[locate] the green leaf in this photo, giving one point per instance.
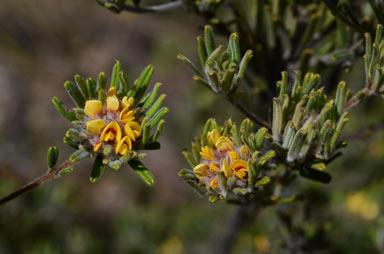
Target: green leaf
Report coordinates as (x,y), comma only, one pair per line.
(115,75)
(53,155)
(152,110)
(71,143)
(81,84)
(71,116)
(151,99)
(157,117)
(191,65)
(101,81)
(203,55)
(159,130)
(75,94)
(315,175)
(277,119)
(144,78)
(234,48)
(142,172)
(97,169)
(152,146)
(79,155)
(209,39)
(263,181)
(91,88)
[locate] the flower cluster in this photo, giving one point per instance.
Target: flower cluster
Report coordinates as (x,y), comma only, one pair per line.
(227,162)
(113,124)
(221,155)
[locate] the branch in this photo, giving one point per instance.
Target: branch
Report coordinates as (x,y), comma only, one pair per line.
(242,215)
(255,119)
(50,175)
(364,132)
(154,8)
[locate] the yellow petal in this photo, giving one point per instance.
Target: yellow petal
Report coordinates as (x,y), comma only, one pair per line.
(214,168)
(111,91)
(112,103)
(207,153)
(238,164)
(128,131)
(134,126)
(97,147)
(213,136)
(121,147)
(114,129)
(109,136)
(242,174)
(232,155)
(224,143)
(214,183)
(226,169)
(128,102)
(201,170)
(95,126)
(126,116)
(92,107)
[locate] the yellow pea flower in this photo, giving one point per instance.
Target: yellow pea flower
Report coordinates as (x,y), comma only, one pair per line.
(123,146)
(111,132)
(224,143)
(92,108)
(132,130)
(214,183)
(200,170)
(207,153)
(95,126)
(226,169)
(128,102)
(213,136)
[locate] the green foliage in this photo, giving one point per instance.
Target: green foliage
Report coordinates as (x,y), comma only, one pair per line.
(222,70)
(305,135)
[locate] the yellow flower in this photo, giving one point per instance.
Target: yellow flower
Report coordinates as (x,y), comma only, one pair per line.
(240,168)
(112,132)
(207,153)
(132,130)
(126,116)
(213,136)
(200,170)
(213,168)
(214,183)
(232,155)
(92,108)
(123,146)
(95,126)
(128,102)
(226,169)
(224,143)
(112,103)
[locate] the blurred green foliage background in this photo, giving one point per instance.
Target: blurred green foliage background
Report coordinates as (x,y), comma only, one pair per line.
(44,43)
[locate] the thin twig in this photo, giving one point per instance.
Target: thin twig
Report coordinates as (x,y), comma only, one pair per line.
(253,118)
(154,8)
(364,132)
(238,220)
(42,179)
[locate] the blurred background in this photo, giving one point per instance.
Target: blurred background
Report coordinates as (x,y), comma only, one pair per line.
(43,43)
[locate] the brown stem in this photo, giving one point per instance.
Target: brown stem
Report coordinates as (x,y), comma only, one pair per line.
(42,179)
(154,8)
(242,215)
(364,132)
(253,118)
